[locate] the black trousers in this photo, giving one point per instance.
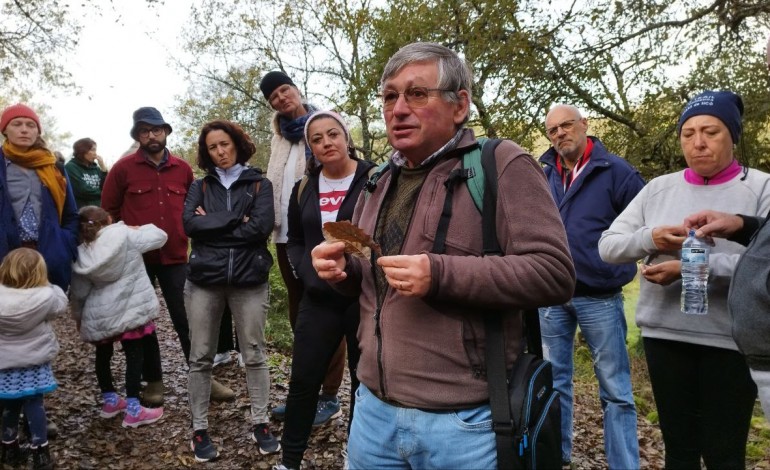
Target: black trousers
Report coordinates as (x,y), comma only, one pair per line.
(322,322)
(142,355)
(705,397)
(171,279)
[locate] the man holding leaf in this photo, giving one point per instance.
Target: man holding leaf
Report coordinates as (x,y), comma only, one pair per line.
(423,401)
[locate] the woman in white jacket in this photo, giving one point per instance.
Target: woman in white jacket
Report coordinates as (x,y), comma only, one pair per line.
(113,300)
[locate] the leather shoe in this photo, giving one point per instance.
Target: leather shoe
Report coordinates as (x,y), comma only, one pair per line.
(153,394)
(220,392)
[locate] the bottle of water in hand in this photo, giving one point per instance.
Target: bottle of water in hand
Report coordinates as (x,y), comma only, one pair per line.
(695,274)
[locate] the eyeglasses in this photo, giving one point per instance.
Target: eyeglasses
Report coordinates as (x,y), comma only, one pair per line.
(566,126)
(156,131)
(416,96)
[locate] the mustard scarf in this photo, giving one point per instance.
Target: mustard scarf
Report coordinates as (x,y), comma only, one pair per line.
(44,164)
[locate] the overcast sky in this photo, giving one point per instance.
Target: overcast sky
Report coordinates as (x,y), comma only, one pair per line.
(121,63)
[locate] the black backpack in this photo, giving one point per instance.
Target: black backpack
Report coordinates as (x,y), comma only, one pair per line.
(526,413)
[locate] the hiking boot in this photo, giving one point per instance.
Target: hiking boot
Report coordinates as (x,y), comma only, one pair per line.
(327,410)
(265,440)
(279,412)
(152,395)
(41,458)
(222,358)
(12,454)
(145,416)
(220,392)
(202,446)
(110,411)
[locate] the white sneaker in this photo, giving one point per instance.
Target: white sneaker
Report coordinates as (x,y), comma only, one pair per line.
(222,358)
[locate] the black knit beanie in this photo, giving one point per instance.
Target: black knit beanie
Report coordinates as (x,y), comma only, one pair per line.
(273,80)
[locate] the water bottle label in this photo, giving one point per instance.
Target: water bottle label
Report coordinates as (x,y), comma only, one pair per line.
(695,255)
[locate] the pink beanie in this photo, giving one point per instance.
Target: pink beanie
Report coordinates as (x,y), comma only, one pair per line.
(16,111)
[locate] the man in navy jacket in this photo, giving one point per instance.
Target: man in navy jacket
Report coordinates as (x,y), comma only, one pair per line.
(591,187)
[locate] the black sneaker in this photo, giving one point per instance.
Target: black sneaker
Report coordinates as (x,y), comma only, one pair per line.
(265,440)
(202,446)
(13,455)
(41,458)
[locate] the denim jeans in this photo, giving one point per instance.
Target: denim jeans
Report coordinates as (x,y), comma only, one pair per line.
(389,437)
(603,324)
(205,306)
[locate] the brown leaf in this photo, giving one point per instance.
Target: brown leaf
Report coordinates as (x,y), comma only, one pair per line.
(357,242)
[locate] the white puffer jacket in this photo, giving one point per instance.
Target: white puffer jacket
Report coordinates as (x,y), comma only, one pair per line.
(111,292)
(26,336)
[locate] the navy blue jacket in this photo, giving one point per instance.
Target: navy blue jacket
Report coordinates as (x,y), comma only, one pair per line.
(592,202)
(56,241)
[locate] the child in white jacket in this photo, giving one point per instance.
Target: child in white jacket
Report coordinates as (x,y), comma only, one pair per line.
(112,299)
(27,346)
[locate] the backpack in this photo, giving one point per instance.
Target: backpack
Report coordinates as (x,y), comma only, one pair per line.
(526,411)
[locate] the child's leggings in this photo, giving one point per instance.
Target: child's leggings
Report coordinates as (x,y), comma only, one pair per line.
(134,350)
(35,413)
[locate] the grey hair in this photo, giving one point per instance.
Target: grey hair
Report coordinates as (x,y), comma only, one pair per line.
(453,73)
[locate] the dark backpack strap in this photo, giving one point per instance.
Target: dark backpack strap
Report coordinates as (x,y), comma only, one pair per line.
(455,176)
(495,343)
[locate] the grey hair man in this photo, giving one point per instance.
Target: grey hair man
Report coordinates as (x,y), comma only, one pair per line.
(423,398)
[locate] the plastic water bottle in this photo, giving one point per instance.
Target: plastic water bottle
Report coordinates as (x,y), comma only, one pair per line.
(695,274)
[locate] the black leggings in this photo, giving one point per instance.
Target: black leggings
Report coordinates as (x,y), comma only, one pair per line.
(139,352)
(705,398)
(321,326)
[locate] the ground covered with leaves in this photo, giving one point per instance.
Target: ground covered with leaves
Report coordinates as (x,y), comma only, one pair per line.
(87,441)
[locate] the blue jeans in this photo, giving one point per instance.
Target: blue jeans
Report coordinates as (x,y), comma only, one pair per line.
(384,436)
(603,324)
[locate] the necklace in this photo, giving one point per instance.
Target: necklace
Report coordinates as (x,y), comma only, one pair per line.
(335,184)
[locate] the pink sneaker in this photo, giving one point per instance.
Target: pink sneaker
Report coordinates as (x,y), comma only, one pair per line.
(108,411)
(145,416)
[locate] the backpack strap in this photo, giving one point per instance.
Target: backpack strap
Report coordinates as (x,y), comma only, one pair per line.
(375,173)
(472,173)
(472,161)
(302,184)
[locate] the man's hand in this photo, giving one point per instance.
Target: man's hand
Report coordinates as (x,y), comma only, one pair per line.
(713,224)
(669,237)
(408,274)
(664,273)
(329,261)
(200,211)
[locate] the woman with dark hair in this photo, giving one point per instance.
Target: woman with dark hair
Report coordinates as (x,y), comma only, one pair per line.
(87,172)
(228,215)
(290,159)
(326,317)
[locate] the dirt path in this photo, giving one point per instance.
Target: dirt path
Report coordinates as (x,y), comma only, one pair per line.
(89,442)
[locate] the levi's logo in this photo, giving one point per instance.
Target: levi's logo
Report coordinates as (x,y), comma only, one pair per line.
(331,201)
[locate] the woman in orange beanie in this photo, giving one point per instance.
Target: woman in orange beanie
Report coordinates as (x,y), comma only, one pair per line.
(37,207)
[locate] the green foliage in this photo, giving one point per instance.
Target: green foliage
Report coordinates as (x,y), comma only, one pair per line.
(652,417)
(278,330)
(630,66)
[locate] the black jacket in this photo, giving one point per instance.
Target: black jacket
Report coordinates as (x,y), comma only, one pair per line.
(225,249)
(305,226)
